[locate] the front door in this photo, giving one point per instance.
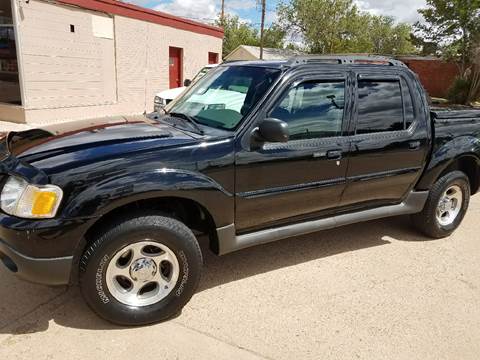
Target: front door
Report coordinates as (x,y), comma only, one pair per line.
(305,177)
(175,67)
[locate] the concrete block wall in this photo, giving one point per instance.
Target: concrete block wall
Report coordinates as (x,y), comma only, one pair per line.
(437,76)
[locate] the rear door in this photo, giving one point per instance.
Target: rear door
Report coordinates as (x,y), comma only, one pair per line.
(284,182)
(175,67)
(389,140)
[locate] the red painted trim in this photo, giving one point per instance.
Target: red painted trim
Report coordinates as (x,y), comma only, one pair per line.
(136,12)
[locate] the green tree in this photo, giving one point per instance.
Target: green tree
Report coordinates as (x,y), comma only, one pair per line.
(454,25)
(325,25)
(427,48)
(238,33)
(336,26)
(387,37)
(274,37)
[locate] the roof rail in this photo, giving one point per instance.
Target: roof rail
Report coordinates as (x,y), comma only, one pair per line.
(345,60)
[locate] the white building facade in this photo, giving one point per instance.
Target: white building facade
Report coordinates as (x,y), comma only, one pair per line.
(66,60)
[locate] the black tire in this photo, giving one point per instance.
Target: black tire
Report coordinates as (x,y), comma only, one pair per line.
(164,230)
(427,222)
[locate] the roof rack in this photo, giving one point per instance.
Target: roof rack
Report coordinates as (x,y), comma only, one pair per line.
(345,60)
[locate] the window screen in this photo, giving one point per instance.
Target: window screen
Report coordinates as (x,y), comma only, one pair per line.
(313,109)
(380,107)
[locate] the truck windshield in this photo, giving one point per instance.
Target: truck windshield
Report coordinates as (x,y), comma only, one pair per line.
(225,95)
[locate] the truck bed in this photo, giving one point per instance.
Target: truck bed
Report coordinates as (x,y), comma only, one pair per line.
(451,114)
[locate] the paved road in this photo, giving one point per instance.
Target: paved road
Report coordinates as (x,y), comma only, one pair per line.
(370,291)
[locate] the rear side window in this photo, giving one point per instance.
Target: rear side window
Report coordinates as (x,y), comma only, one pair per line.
(380,107)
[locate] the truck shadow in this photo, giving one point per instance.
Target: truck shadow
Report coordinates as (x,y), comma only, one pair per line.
(65,306)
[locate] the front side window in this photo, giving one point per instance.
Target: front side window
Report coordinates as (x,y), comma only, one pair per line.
(380,107)
(9,80)
(313,109)
(224,96)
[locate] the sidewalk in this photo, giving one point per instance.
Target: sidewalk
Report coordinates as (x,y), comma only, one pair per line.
(6,126)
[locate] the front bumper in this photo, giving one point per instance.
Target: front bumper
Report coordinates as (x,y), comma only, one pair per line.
(42,251)
(48,271)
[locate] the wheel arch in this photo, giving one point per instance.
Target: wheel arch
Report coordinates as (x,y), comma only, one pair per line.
(468,163)
(192,213)
(470,166)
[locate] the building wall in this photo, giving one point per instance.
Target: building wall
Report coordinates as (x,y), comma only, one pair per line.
(60,68)
(12,113)
(69,76)
(435,75)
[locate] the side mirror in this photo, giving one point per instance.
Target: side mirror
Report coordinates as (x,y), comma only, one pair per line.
(272,130)
(187,82)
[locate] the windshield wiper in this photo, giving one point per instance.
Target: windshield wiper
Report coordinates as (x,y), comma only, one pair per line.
(190,119)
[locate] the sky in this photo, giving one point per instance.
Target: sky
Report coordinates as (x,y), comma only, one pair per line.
(249,11)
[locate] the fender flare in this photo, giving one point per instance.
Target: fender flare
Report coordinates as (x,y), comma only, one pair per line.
(101,198)
(446,155)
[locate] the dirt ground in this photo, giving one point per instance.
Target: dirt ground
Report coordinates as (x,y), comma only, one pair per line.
(376,290)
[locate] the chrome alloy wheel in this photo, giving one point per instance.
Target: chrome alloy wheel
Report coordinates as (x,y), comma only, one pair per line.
(142,274)
(449,206)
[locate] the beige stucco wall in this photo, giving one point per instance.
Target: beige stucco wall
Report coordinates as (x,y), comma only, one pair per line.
(69,76)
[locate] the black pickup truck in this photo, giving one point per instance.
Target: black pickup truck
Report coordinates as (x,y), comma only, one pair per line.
(252,153)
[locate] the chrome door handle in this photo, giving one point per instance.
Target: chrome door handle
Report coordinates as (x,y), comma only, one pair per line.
(334,154)
(414,145)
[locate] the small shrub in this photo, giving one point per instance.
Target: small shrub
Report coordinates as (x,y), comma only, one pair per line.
(458,92)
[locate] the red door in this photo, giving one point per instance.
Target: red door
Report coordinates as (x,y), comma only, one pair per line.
(212,58)
(175,66)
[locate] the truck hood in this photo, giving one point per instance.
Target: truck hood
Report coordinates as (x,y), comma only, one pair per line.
(60,139)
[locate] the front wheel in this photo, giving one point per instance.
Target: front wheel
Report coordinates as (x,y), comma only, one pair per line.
(446,206)
(141,270)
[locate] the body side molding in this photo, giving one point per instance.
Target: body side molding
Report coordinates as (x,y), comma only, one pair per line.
(230,242)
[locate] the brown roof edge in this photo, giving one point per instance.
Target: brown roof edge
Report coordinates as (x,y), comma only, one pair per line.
(136,12)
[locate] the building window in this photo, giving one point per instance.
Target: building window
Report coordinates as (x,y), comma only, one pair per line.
(212,58)
(9,80)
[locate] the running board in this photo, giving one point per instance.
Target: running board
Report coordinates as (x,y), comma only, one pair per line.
(228,241)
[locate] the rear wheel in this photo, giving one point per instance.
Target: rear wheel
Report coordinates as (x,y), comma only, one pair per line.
(141,270)
(446,206)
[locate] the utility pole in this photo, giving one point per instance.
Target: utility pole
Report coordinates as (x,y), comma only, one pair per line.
(262,28)
(222,16)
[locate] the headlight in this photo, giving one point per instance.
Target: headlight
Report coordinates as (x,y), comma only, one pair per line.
(24,200)
(159,101)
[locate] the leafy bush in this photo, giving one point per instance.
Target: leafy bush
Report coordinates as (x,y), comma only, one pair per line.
(458,92)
